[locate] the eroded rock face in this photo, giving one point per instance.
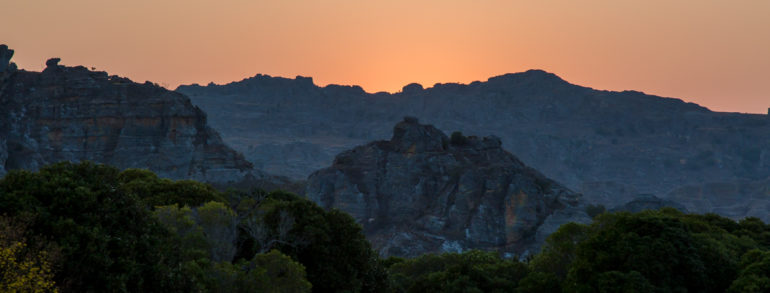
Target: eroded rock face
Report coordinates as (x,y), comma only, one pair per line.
(608,146)
(734,199)
(73,114)
(421,192)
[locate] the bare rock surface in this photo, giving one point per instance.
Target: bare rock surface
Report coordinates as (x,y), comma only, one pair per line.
(609,146)
(423,192)
(73,114)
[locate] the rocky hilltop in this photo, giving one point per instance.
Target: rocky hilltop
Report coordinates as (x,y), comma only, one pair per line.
(74,114)
(423,192)
(609,146)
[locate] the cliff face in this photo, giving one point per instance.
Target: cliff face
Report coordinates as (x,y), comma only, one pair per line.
(422,192)
(71,113)
(609,146)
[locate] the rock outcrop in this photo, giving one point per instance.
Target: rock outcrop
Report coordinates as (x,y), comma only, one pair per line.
(648,202)
(423,192)
(608,146)
(74,114)
(734,199)
(6,66)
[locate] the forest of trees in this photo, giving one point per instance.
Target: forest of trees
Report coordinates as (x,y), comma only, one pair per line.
(84,227)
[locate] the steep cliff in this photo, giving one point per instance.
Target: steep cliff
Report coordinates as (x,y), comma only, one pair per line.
(423,192)
(73,114)
(609,146)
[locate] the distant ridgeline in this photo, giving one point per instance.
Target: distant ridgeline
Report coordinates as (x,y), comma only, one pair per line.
(609,146)
(74,114)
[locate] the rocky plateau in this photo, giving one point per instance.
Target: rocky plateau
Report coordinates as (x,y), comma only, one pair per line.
(74,114)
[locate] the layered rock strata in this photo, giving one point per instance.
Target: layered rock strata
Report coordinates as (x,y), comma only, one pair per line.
(423,192)
(74,114)
(608,146)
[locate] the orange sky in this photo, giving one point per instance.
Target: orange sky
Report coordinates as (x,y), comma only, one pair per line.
(715,53)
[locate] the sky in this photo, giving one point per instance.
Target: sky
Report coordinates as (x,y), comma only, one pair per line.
(714,53)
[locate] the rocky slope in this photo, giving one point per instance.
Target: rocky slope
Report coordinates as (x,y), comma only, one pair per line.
(72,113)
(609,146)
(735,199)
(422,192)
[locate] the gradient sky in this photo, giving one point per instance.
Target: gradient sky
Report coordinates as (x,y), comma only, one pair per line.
(714,53)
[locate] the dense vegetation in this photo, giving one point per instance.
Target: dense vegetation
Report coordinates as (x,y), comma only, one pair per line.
(92,228)
(133,232)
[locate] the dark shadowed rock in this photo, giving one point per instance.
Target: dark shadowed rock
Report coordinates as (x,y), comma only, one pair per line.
(609,146)
(648,202)
(410,136)
(412,88)
(735,199)
(416,193)
(73,114)
(53,62)
(5,57)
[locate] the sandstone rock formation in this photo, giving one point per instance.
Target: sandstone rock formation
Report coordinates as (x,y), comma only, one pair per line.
(609,146)
(422,192)
(73,114)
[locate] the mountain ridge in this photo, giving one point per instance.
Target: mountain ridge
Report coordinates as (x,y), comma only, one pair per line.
(611,146)
(73,114)
(529,74)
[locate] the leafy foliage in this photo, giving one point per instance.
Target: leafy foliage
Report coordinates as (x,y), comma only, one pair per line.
(330,245)
(281,273)
(219,227)
(155,191)
(472,271)
(652,250)
(108,239)
(91,228)
(23,268)
(754,275)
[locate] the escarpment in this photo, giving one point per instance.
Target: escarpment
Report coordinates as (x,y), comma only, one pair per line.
(74,114)
(609,146)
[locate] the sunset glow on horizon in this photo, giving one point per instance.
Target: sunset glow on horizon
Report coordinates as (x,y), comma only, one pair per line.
(714,53)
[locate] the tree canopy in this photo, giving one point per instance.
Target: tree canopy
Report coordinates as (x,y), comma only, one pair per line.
(84,227)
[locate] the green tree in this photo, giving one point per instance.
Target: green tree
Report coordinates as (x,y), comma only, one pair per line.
(282,274)
(537,281)
(559,251)
(155,191)
(23,268)
(265,272)
(754,275)
(181,222)
(471,271)
(108,239)
(330,245)
(219,224)
(651,249)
